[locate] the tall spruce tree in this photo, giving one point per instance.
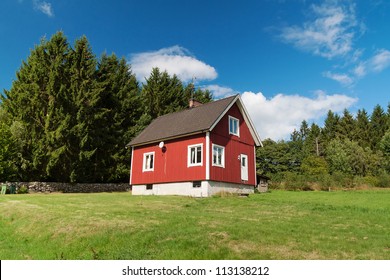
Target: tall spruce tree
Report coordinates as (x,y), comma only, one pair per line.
(329,130)
(121,97)
(346,126)
(33,104)
(90,116)
(378,126)
(362,134)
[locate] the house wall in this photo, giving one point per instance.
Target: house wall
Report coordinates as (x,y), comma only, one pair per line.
(170,164)
(208,188)
(234,147)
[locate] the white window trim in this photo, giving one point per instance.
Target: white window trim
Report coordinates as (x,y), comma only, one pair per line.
(223,156)
(189,164)
(238,126)
(144,161)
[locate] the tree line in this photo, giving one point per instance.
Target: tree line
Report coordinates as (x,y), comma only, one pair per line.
(346,151)
(69,114)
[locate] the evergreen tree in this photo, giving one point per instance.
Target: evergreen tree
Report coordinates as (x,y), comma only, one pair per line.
(385,148)
(121,99)
(378,126)
(304,130)
(346,126)
(33,103)
(8,150)
(89,115)
(163,94)
(329,130)
(362,134)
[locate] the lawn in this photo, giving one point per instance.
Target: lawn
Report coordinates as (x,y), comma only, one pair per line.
(275,225)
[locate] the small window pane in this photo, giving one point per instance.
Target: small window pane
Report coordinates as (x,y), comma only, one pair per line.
(199,155)
(233,126)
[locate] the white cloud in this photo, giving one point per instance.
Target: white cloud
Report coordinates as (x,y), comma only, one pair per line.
(360,70)
(276,118)
(219,91)
(343,79)
(44,7)
(329,34)
(379,61)
(175,60)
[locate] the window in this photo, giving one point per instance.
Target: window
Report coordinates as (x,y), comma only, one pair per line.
(196,184)
(149,187)
(234,127)
(148,164)
(218,156)
(195,155)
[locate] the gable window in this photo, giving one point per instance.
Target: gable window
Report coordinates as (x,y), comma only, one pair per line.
(195,155)
(148,164)
(218,156)
(234,127)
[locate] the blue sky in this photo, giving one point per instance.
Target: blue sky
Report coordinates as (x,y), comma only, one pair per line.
(289,60)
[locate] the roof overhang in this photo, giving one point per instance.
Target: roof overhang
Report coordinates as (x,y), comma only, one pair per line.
(167,138)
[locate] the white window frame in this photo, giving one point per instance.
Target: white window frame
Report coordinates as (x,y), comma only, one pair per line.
(222,156)
(148,168)
(237,133)
(190,147)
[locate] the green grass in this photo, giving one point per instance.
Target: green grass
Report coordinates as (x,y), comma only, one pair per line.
(276,225)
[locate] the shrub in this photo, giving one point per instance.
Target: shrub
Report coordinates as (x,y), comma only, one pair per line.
(368,181)
(23,189)
(296,182)
(383,180)
(342,180)
(314,165)
(325,182)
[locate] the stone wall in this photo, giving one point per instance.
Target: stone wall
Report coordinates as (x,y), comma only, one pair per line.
(48,187)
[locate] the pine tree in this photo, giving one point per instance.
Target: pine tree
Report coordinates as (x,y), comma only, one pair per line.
(90,118)
(33,104)
(378,126)
(362,134)
(121,98)
(346,126)
(329,130)
(8,149)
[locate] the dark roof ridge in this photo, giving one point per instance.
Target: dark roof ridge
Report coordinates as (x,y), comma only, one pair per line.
(204,104)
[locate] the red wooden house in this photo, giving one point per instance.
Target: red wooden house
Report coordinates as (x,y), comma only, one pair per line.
(199,151)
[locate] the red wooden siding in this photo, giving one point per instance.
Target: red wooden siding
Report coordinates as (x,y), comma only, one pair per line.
(234,146)
(171,165)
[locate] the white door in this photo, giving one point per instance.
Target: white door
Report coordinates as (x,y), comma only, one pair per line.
(244,167)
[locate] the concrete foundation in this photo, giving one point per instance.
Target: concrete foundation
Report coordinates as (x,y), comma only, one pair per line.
(195,189)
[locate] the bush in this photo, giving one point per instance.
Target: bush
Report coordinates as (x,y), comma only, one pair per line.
(368,181)
(325,182)
(383,180)
(342,180)
(23,189)
(296,182)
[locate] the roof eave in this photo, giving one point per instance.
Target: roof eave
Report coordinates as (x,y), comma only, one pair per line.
(166,138)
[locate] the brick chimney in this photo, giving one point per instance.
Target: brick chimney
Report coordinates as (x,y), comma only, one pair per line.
(193,103)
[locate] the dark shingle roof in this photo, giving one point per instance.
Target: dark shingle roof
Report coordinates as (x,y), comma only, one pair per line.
(182,123)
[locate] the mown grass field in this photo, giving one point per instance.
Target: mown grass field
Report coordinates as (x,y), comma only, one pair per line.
(276,225)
